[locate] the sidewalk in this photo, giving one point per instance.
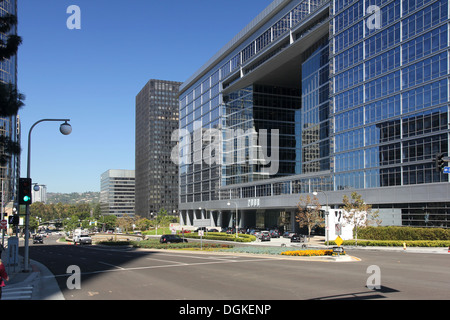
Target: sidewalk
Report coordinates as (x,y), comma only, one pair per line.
(37,284)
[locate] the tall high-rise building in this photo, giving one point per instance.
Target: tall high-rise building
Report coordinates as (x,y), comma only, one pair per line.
(9,126)
(156,174)
(322,96)
(117,193)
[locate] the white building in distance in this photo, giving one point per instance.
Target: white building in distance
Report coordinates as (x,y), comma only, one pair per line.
(117,190)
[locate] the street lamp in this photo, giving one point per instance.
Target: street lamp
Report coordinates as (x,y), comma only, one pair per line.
(65,129)
(326,215)
(229,204)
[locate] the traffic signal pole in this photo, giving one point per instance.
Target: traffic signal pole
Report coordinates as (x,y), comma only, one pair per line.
(65,129)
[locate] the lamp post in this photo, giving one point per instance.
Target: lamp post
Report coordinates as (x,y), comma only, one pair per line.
(229,204)
(65,129)
(326,215)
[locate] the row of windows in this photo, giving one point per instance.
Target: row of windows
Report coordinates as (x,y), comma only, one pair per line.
(410,26)
(417,48)
(383,63)
(413,125)
(424,45)
(414,174)
(349,78)
(425,96)
(424,19)
(420,98)
(425,70)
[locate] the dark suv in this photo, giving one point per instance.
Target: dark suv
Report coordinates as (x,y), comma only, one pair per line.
(171,238)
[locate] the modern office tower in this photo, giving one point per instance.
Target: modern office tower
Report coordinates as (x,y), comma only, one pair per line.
(156,174)
(321,96)
(40,195)
(9,126)
(117,192)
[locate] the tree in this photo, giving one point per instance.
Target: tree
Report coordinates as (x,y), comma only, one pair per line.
(143,223)
(358,213)
(163,219)
(125,223)
(10,99)
(309,214)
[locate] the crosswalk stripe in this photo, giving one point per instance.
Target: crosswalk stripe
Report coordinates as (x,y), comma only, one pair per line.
(17,293)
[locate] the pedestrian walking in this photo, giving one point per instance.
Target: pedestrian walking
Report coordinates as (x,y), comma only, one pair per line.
(3,276)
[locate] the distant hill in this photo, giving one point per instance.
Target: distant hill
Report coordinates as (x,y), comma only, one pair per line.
(74,197)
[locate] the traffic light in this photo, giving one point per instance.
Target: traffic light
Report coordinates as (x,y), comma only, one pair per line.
(440,163)
(24,191)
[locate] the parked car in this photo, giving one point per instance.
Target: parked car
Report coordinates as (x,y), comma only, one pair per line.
(298,238)
(38,239)
(171,238)
(213,230)
(274,233)
(265,236)
(288,234)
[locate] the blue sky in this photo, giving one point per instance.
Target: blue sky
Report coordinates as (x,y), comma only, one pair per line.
(93,75)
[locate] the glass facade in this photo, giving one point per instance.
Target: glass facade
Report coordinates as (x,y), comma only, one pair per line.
(359,91)
(390,93)
(156,175)
(248,113)
(9,126)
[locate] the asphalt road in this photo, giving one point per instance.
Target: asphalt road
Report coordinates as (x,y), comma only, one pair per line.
(113,274)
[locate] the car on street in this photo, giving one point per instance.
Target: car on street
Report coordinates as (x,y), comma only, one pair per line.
(274,233)
(171,238)
(84,239)
(298,238)
(265,236)
(288,234)
(38,239)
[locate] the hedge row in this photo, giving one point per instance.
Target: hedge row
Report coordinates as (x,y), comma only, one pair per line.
(154,244)
(396,243)
(404,233)
(222,236)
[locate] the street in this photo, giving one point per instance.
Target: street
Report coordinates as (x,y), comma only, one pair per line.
(130,274)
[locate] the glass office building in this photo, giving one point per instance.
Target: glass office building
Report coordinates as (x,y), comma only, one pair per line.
(9,126)
(355,93)
(156,175)
(117,188)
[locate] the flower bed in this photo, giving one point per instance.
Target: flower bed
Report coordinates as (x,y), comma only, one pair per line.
(310,253)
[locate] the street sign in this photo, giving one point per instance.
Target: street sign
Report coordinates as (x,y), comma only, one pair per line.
(202,223)
(339,241)
(446,169)
(3,224)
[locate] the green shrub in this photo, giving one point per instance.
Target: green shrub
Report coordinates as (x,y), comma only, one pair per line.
(404,233)
(397,243)
(155,244)
(222,236)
